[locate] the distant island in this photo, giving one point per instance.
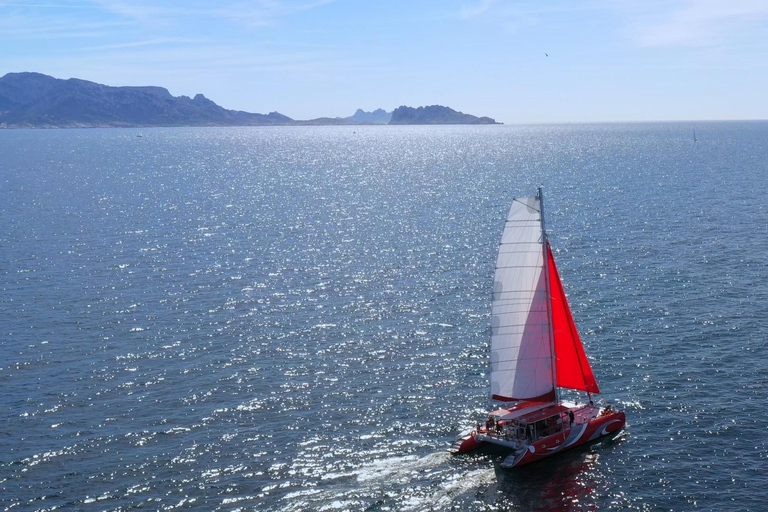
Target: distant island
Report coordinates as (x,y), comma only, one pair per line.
(34,100)
(435,114)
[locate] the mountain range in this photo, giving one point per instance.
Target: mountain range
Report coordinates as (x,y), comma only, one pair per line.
(34,100)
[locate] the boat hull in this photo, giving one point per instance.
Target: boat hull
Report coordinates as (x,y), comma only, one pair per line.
(466,444)
(578,435)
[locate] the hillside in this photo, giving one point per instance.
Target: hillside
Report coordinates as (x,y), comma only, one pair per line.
(378,116)
(435,114)
(34,100)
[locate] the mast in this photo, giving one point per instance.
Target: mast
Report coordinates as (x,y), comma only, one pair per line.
(549,297)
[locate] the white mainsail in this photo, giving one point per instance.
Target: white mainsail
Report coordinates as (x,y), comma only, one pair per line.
(521,353)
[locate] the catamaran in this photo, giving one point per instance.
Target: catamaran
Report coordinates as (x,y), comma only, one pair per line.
(535,353)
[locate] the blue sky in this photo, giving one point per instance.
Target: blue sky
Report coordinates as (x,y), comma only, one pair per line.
(517,61)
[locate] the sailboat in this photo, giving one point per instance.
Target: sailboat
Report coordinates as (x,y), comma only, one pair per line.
(536,353)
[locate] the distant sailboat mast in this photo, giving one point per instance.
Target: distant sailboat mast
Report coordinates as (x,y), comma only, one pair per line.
(694,136)
(550,330)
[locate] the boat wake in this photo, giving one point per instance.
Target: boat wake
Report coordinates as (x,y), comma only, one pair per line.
(379,481)
(451,489)
(400,469)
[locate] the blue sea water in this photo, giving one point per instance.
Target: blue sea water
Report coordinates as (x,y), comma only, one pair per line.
(299,318)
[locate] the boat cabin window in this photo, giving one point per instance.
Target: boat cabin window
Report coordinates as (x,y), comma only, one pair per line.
(550,425)
(540,429)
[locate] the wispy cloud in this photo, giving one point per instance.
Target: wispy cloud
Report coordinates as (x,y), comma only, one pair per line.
(650,23)
(260,12)
(121,24)
(139,11)
(151,12)
(48,5)
(477,9)
(46,28)
(696,23)
(144,43)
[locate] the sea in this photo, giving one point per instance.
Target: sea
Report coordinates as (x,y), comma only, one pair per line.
(298,318)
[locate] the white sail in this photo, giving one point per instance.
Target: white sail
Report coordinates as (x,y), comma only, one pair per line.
(521,358)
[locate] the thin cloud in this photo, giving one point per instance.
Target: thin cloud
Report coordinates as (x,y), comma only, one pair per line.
(53,28)
(263,12)
(138,11)
(139,44)
(700,23)
(177,53)
(477,10)
(150,15)
(48,5)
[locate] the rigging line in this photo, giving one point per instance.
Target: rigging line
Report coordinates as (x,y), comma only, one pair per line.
(518,266)
(532,324)
(514,199)
(527,358)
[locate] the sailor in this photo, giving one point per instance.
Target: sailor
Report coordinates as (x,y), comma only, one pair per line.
(570,417)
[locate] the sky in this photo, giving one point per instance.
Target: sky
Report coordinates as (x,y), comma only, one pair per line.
(535,61)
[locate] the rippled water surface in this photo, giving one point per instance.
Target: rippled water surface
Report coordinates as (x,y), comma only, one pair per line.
(299,318)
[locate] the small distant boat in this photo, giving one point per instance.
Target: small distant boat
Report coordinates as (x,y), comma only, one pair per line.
(536,351)
(139,134)
(694,136)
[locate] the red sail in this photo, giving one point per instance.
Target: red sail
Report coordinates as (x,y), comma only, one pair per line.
(573,370)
